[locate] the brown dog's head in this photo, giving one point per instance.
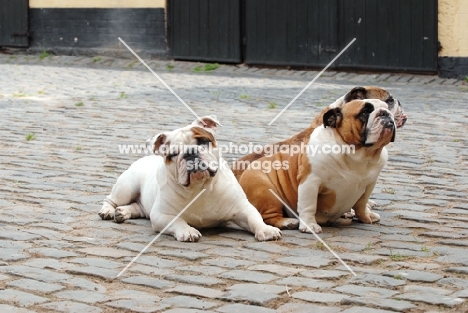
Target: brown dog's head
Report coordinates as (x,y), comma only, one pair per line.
(372,92)
(363,123)
(187,151)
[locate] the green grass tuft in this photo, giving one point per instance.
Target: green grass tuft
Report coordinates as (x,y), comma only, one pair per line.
(43,55)
(30,136)
(206,67)
(272,105)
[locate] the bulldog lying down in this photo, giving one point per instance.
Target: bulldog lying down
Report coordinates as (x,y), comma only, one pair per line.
(322,187)
(160,186)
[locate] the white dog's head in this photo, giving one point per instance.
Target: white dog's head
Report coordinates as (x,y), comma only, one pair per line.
(188,151)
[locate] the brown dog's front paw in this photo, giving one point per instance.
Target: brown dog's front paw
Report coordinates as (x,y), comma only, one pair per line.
(351,214)
(369,218)
(287,223)
(371,204)
(310,228)
(374,217)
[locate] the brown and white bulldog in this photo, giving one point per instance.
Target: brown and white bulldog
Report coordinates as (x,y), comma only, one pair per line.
(322,186)
(367,92)
(160,186)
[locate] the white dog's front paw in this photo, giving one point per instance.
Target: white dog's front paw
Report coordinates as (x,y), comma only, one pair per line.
(310,228)
(268,233)
(107,211)
(122,214)
(188,234)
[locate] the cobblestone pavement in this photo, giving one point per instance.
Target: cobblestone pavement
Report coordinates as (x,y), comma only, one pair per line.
(63,119)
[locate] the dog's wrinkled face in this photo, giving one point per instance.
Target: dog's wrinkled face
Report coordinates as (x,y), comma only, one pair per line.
(372,92)
(367,123)
(188,152)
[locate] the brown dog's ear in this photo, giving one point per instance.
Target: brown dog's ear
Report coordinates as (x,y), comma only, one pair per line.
(158,146)
(356,93)
(332,118)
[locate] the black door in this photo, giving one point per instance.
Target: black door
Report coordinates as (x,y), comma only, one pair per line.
(390,34)
(295,32)
(397,35)
(14,23)
(205,30)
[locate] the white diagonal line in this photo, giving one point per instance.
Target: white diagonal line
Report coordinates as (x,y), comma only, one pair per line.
(162,81)
(312,231)
(313,80)
(160,233)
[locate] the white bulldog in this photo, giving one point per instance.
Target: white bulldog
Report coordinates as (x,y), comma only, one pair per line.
(186,166)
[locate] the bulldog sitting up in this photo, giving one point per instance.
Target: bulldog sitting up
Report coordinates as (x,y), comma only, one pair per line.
(361,93)
(321,186)
(160,186)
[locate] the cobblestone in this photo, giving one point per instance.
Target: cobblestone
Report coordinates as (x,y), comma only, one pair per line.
(189,302)
(20,298)
(70,307)
(148,281)
(376,302)
(33,285)
(417,276)
(238,307)
(196,291)
(319,297)
(82,296)
(258,294)
(56,254)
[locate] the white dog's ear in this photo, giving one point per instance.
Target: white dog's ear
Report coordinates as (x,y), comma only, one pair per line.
(157,144)
(210,122)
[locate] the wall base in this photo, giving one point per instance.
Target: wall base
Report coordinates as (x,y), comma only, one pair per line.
(453,67)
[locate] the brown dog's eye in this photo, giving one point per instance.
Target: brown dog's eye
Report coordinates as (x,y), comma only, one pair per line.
(368,109)
(365,111)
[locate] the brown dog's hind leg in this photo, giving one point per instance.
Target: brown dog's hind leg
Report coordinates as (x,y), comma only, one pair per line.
(257,188)
(362,207)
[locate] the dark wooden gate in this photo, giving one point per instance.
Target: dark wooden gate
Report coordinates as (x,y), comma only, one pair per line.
(294,32)
(14,23)
(396,35)
(390,34)
(205,30)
